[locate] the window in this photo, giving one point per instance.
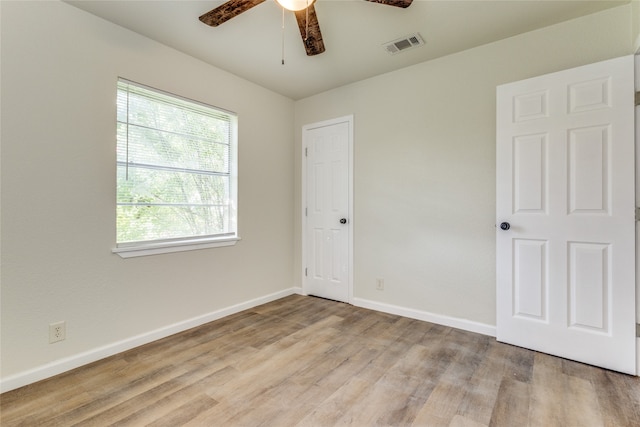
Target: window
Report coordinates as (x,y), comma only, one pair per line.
(176,173)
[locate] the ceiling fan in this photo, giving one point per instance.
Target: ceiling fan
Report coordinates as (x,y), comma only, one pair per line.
(303,9)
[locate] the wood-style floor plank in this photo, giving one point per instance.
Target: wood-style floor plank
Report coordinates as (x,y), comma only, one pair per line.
(305,361)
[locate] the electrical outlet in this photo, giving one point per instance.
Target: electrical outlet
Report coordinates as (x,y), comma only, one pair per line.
(57,331)
(380,284)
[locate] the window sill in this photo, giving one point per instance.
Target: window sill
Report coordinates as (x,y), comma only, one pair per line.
(165,248)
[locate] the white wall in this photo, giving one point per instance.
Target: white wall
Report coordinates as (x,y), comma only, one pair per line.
(425,163)
(59,70)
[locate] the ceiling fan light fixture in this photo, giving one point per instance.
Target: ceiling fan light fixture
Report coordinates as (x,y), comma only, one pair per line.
(295,5)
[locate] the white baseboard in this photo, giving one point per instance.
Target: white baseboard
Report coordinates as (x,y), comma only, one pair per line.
(59,366)
(454,322)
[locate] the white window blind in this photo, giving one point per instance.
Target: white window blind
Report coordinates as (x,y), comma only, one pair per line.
(176,163)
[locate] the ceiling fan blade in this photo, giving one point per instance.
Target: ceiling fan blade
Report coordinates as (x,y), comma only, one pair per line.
(397,3)
(228,10)
(311,35)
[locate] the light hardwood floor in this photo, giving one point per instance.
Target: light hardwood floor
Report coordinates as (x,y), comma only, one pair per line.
(305,361)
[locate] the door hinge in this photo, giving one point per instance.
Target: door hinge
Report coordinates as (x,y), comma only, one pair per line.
(637,214)
(637,99)
(306,213)
(305,271)
(638,330)
(306,149)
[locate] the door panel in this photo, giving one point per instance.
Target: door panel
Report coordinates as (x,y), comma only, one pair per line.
(530,273)
(327,250)
(589,286)
(529,167)
(565,183)
(589,170)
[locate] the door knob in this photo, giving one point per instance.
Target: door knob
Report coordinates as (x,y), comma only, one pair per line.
(505,226)
(343,220)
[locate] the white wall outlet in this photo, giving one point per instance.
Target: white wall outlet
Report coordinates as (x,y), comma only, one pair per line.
(380,284)
(57,331)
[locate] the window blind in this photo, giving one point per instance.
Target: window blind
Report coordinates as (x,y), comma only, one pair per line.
(175,167)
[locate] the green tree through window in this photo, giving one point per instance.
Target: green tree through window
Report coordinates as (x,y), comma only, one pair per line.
(175,167)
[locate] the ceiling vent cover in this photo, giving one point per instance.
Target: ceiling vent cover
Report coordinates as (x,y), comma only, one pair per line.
(404,43)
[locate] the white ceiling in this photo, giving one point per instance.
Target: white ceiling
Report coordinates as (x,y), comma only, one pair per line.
(250,45)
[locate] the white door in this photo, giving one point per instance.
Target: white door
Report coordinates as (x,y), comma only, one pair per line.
(565,186)
(327,211)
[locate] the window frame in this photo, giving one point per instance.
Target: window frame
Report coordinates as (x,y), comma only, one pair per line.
(188,243)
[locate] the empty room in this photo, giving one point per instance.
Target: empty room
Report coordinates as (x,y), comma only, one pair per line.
(318,213)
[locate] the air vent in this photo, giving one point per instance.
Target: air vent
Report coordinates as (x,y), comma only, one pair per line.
(404,43)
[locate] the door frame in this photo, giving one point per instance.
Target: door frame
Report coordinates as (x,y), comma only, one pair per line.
(636,112)
(344,119)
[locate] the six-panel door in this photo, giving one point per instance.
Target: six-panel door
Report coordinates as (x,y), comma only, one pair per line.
(565,184)
(327,211)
